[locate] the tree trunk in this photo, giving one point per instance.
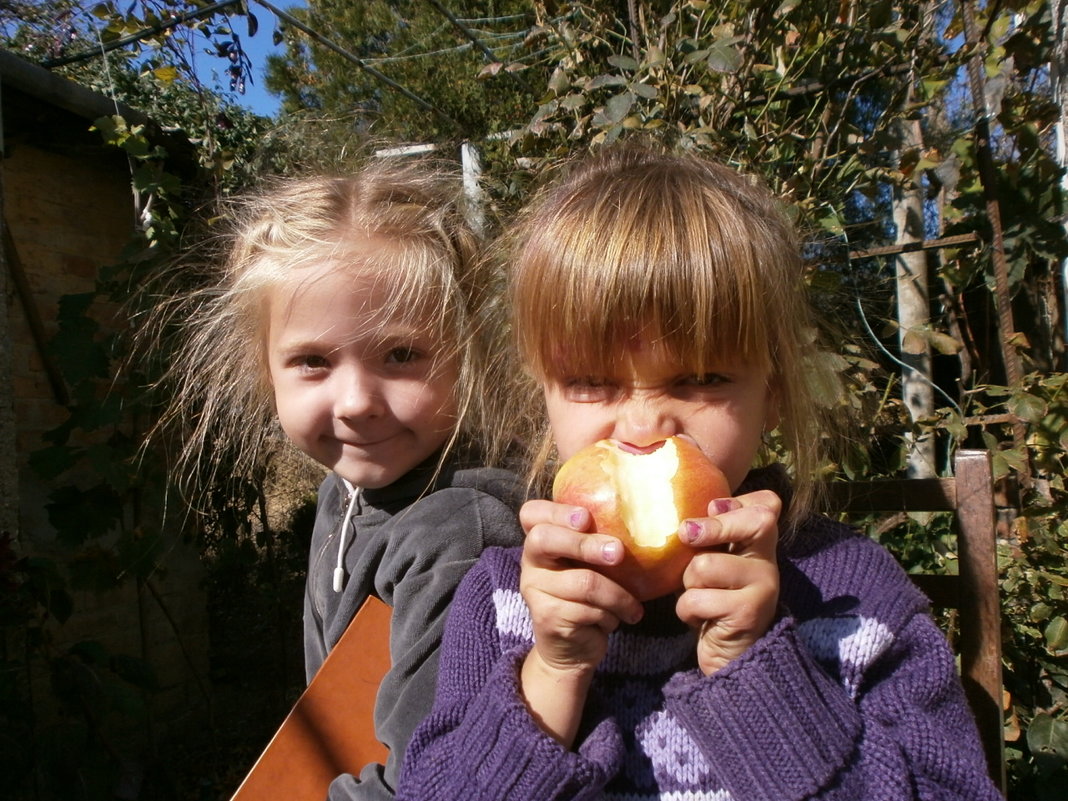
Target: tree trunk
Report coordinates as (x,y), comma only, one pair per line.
(984,158)
(913,311)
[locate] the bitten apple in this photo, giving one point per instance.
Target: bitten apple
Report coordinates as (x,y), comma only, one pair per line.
(641,497)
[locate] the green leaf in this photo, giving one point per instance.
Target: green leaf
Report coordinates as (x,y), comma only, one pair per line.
(617,107)
(644,90)
(623,62)
(1027,407)
(559,82)
(1040,611)
(825,280)
(723,56)
(1047,737)
(166,75)
(654,57)
(607,80)
(1057,636)
(83,515)
(544,110)
(110,128)
(830,221)
(51,462)
(573,102)
(945,344)
(914,342)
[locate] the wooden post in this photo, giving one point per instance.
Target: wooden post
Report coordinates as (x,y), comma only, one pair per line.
(981,634)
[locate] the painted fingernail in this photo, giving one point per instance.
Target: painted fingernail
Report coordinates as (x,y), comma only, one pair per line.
(612,552)
(692,530)
(575,519)
(721,505)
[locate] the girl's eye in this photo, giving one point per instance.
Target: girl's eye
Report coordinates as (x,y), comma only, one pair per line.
(402,355)
(310,362)
(589,389)
(703,380)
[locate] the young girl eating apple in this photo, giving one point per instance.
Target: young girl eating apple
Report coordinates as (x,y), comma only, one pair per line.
(658,296)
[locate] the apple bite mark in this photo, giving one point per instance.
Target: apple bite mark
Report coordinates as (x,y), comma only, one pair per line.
(642,480)
(641,496)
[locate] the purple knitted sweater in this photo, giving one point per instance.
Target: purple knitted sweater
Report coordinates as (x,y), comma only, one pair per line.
(852,695)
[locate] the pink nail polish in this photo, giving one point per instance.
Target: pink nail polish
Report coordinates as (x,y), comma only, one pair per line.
(692,530)
(722,505)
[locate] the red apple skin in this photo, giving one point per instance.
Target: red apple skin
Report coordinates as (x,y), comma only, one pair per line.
(645,572)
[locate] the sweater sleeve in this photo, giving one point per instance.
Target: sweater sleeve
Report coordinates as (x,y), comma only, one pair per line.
(777,724)
(432,544)
(480,742)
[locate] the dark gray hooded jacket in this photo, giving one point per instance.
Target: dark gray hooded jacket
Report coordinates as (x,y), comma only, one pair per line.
(409,544)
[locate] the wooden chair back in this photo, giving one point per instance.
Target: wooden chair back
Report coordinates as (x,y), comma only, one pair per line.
(974,592)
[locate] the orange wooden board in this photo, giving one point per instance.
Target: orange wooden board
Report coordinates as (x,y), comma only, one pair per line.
(330,730)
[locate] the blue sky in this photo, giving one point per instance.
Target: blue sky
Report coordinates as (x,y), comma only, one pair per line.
(258,47)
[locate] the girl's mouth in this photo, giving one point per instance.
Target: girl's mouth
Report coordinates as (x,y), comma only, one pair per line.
(639,449)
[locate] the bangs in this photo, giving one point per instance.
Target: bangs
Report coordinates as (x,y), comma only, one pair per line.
(422,289)
(410,284)
(663,256)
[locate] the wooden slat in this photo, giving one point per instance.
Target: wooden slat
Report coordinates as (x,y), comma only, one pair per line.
(904,495)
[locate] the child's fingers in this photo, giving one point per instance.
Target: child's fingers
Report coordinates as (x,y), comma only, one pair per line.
(561,564)
(747,525)
(563,611)
(723,571)
(547,544)
(745,611)
(558,590)
(731,600)
(537,512)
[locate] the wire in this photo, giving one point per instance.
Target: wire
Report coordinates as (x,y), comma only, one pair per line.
(892,357)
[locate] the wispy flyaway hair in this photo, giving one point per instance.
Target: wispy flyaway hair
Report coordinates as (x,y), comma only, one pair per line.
(429,257)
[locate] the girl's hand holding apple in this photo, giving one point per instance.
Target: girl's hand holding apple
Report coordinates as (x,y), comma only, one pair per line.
(641,496)
(573,609)
(573,606)
(732,586)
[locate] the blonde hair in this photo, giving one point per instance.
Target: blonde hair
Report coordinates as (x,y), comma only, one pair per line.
(219,378)
(635,236)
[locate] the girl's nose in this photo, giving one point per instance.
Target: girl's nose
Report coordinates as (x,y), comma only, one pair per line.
(644,421)
(357,395)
